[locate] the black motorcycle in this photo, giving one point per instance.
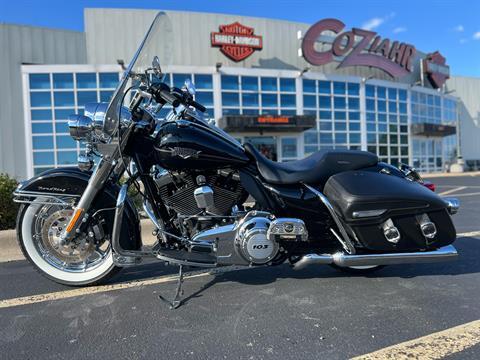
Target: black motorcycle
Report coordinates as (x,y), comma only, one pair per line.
(213,201)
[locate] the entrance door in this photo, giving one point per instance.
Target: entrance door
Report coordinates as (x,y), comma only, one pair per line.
(267,145)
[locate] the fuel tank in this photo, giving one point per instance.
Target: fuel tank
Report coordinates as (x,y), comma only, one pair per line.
(186,145)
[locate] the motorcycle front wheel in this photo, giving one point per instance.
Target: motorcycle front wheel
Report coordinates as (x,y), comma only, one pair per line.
(82,261)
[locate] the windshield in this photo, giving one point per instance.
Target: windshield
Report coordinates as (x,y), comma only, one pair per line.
(157,42)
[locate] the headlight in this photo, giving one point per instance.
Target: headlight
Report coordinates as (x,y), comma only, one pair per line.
(80,127)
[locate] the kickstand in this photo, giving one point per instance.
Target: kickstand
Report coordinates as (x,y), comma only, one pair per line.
(177,301)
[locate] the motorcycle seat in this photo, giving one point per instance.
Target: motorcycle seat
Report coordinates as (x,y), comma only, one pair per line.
(314,169)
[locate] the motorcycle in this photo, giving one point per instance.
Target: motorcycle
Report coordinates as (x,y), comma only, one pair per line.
(213,201)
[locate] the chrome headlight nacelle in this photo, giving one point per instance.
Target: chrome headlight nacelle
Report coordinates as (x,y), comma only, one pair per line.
(89,127)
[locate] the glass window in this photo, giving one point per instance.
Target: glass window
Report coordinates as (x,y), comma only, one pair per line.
(402,95)
(310,137)
(63,81)
(39,81)
(229,82)
(309,101)
(354,115)
(353,89)
(308,85)
(269,83)
(269,111)
(289,147)
(203,81)
(250,111)
(250,83)
(340,126)
(204,97)
(340,115)
(325,125)
(230,99)
(339,102)
(64,98)
(269,100)
(340,138)
(66,157)
(392,94)
(355,138)
(179,79)
(325,115)
(86,80)
(382,105)
(339,87)
(381,92)
(42,142)
(63,114)
(370,90)
(38,115)
(354,126)
(288,112)
(353,103)
(40,99)
(84,97)
(370,105)
(41,128)
(66,142)
(326,138)
(106,96)
(287,85)
(108,80)
(324,87)
(43,158)
(392,106)
(324,102)
(287,100)
(250,99)
(61,127)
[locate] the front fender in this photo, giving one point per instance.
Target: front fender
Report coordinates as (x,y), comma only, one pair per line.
(72,181)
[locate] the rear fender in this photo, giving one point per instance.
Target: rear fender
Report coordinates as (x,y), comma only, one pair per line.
(71,181)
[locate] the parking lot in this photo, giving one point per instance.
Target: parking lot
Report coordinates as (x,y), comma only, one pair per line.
(257,313)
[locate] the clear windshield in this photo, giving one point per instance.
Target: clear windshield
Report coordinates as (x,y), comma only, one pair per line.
(157,42)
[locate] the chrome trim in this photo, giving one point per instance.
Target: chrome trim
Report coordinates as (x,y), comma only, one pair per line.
(346,240)
(184,262)
(453,204)
(368,213)
(29,197)
(445,253)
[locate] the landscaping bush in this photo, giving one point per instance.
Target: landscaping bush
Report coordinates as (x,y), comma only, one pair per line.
(8,209)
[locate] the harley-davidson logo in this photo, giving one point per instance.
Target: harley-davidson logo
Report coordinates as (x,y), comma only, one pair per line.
(436,69)
(236,41)
(185,153)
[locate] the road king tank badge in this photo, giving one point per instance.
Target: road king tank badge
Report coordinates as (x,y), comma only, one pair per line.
(236,41)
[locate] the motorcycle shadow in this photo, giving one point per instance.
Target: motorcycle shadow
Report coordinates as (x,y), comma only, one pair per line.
(467,263)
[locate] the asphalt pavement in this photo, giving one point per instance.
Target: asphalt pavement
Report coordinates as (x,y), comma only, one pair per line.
(257,313)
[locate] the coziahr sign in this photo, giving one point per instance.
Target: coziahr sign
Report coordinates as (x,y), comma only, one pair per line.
(236,41)
(359,48)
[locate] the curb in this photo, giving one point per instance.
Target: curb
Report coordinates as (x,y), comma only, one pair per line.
(438,175)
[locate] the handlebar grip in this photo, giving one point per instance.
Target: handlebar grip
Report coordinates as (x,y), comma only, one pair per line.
(170,98)
(198,106)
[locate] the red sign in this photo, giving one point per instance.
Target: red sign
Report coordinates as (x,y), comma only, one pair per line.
(359,48)
(436,69)
(273,120)
(236,41)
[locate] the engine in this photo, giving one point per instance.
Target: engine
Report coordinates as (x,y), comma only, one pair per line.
(180,191)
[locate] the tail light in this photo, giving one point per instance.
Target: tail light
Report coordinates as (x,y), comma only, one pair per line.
(429,185)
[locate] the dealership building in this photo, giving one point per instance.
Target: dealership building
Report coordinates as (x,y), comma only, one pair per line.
(289,88)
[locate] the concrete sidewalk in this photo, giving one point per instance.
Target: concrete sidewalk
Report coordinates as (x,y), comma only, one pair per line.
(10,251)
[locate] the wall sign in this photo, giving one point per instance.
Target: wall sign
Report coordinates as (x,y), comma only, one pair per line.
(236,41)
(393,57)
(436,69)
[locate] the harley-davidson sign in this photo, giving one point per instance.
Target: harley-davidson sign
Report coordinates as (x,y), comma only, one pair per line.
(436,69)
(358,48)
(236,41)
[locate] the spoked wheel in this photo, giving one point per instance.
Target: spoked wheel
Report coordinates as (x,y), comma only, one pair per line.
(359,270)
(85,260)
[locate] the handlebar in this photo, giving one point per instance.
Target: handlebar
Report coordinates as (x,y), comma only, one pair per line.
(163,94)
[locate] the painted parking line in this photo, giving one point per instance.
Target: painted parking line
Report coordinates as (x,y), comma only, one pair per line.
(66,294)
(434,346)
(452,190)
(467,194)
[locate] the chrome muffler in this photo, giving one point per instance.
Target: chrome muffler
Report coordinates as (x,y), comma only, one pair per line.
(445,253)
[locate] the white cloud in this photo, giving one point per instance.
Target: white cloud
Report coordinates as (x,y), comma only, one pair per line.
(476,36)
(399,29)
(459,28)
(375,22)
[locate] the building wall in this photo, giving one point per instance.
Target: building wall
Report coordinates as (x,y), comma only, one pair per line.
(116,34)
(468,90)
(27,45)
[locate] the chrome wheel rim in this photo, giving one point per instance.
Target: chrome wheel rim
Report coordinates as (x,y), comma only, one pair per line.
(82,254)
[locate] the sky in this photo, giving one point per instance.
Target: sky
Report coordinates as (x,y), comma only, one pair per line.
(450,26)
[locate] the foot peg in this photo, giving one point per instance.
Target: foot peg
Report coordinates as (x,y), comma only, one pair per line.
(177,301)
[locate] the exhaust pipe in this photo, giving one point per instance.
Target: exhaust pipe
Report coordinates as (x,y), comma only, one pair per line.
(445,253)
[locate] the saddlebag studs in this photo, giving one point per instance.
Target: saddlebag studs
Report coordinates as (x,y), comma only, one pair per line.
(287,229)
(391,232)
(428,228)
